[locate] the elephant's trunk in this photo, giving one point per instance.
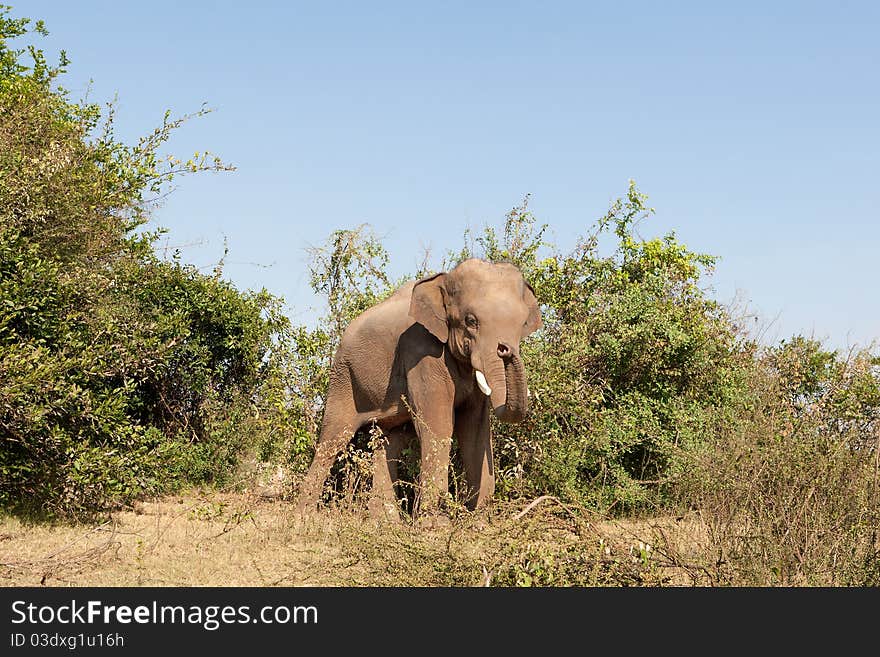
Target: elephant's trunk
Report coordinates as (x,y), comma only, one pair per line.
(509,392)
(516,403)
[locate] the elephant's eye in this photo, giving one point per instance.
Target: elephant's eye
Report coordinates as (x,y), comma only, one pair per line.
(471,322)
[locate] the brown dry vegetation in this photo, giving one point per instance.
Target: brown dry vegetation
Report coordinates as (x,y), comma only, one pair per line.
(223,539)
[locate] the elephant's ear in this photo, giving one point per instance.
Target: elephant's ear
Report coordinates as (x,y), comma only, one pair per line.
(428,305)
(533,323)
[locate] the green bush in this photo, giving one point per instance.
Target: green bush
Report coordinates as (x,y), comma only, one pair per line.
(634,363)
(120,374)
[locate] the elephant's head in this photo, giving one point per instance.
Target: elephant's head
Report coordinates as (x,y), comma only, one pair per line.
(482,311)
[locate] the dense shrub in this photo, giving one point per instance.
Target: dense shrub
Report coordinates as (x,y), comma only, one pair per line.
(120,374)
(634,365)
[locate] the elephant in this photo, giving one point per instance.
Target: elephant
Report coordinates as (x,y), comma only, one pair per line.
(437,356)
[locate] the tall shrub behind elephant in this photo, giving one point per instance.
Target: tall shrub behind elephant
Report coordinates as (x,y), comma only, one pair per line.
(442,353)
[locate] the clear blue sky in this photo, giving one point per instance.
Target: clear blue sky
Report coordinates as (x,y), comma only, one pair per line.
(752,126)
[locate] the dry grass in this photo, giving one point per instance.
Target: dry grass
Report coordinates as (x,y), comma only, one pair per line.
(220,539)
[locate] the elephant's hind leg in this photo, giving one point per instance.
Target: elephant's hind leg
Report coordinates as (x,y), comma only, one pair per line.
(341,420)
(329,446)
(334,438)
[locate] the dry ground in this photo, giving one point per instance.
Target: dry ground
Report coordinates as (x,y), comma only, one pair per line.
(220,539)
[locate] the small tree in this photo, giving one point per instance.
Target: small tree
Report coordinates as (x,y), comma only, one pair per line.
(348,273)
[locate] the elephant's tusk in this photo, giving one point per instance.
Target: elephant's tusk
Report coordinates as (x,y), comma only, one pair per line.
(481,381)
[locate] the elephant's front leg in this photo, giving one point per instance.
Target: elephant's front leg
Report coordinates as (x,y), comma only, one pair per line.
(435,436)
(474,436)
(431,398)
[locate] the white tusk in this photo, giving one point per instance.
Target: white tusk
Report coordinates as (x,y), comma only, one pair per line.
(481,381)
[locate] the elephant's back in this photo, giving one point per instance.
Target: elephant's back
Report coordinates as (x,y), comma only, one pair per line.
(389,315)
(376,331)
(368,352)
